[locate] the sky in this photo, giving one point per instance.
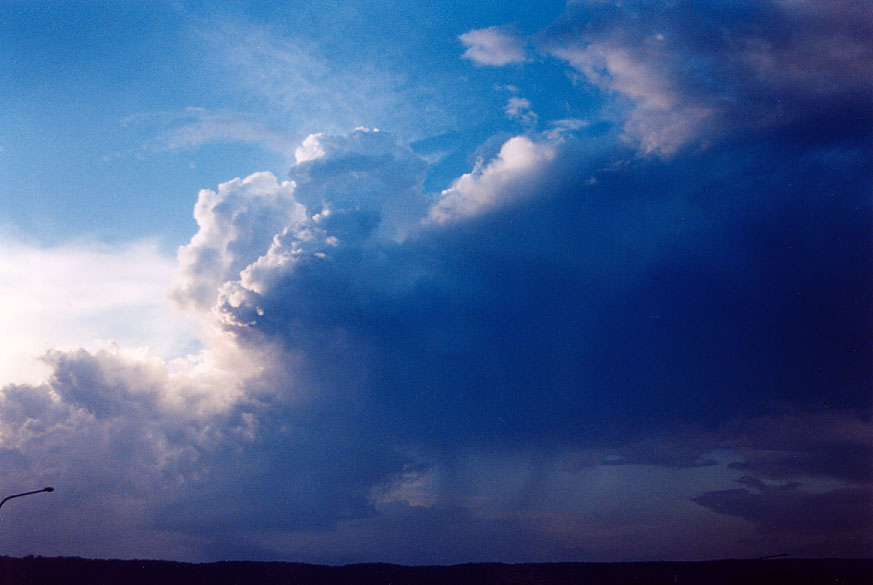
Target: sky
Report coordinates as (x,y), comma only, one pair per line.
(436,282)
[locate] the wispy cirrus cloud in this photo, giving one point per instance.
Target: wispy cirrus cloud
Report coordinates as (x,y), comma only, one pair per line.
(310,91)
(194,127)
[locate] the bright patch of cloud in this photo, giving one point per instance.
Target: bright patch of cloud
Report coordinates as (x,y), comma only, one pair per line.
(309,149)
(85,295)
(364,174)
(506,178)
(236,225)
(494,45)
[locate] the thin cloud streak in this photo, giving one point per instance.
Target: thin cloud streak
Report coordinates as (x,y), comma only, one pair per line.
(309,92)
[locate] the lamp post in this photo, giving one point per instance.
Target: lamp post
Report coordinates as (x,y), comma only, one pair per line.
(45,489)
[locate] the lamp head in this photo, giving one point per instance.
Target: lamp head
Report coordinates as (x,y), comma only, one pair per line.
(48,489)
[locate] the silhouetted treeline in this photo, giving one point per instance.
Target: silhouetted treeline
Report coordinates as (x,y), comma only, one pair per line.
(74,570)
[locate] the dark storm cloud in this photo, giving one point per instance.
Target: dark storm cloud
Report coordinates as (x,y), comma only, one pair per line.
(826,444)
(706,289)
(833,522)
(830,445)
(703,290)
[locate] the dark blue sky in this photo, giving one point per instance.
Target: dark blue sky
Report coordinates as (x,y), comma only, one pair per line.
(585,282)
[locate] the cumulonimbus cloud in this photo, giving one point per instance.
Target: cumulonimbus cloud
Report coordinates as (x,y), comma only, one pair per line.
(500,358)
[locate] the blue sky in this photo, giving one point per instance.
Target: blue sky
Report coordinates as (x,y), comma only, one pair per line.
(436,283)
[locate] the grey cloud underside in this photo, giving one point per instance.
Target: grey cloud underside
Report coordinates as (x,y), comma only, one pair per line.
(836,522)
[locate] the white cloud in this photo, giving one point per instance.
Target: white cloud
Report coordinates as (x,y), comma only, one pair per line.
(310,148)
(516,106)
(519,109)
(504,179)
(236,225)
(120,427)
(345,189)
(85,295)
(364,173)
(493,46)
(110,414)
(346,193)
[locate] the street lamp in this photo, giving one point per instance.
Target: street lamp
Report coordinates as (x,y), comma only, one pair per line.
(45,489)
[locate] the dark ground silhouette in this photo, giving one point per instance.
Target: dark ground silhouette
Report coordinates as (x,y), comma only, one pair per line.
(74,570)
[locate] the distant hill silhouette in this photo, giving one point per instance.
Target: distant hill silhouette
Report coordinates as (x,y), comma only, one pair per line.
(74,570)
